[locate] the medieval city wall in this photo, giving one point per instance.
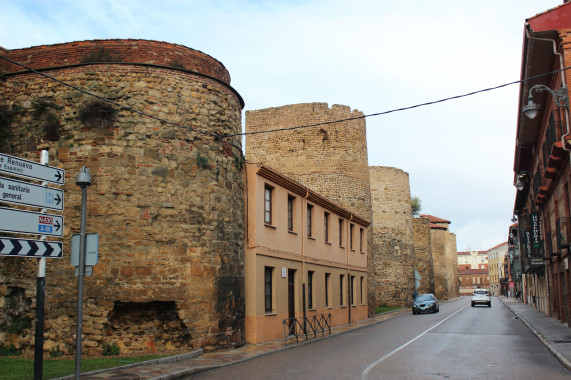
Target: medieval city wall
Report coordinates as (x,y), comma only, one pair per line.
(393,248)
(167,201)
(423,262)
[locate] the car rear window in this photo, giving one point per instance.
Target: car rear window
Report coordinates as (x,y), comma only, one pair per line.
(481,292)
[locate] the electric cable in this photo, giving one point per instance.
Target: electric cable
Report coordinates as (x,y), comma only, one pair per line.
(221,137)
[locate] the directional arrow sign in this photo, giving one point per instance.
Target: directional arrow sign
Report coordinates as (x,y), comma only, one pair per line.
(30,169)
(31,223)
(26,193)
(30,248)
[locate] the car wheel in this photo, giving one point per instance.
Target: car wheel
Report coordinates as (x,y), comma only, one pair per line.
(472,304)
(413,312)
(489,304)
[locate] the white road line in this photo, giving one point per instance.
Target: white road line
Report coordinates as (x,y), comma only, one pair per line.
(370,367)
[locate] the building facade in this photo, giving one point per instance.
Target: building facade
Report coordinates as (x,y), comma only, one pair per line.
(496,259)
(541,166)
(305,257)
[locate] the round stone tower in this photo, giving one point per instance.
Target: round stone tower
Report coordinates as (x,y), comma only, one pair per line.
(393,246)
(167,198)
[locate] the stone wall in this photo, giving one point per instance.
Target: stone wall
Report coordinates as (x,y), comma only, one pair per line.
(423,254)
(166,200)
(331,159)
(392,249)
(445,259)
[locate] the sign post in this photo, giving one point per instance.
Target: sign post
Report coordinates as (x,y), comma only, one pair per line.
(32,223)
(83,180)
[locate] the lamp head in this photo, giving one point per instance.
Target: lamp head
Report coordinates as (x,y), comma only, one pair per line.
(83,178)
(531,109)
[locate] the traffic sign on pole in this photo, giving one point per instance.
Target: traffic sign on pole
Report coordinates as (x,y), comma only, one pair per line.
(26,193)
(30,169)
(30,248)
(30,223)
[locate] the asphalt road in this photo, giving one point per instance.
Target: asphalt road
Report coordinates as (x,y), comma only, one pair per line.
(459,342)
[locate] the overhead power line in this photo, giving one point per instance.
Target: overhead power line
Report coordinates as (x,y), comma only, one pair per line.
(222,137)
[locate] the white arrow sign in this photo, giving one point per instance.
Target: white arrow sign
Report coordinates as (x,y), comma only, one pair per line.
(30,248)
(26,193)
(30,169)
(30,223)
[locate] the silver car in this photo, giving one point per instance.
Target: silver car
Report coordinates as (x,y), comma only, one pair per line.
(481,297)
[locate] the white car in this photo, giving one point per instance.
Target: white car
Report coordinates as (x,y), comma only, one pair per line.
(481,296)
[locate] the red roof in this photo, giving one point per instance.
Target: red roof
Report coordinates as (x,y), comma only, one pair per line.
(434,219)
(553,19)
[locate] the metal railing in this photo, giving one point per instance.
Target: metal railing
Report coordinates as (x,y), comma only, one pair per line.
(313,324)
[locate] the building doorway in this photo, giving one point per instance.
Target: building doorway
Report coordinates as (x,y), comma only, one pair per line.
(291,292)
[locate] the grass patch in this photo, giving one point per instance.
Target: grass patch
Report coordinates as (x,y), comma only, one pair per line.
(384,309)
(18,368)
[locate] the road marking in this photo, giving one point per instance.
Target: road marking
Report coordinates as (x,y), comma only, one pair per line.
(374,364)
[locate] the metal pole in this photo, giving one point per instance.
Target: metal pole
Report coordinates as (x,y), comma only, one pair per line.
(40,299)
(83,180)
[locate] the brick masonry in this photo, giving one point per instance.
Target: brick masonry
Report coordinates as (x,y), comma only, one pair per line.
(166,201)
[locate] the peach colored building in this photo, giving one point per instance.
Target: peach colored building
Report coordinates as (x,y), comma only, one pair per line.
(305,255)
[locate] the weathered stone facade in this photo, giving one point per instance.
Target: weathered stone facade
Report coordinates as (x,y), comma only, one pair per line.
(331,159)
(167,200)
(392,249)
(445,258)
(423,262)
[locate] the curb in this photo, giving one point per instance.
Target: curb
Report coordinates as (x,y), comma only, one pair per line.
(565,362)
(167,359)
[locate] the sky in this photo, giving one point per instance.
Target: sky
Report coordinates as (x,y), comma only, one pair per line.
(371,55)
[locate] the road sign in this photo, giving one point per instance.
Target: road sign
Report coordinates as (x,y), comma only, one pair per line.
(30,248)
(30,169)
(26,193)
(30,223)
(91,249)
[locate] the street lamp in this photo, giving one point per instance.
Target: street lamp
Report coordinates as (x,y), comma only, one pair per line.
(522,179)
(560,97)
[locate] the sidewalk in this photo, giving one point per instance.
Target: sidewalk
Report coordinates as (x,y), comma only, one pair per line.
(554,335)
(176,367)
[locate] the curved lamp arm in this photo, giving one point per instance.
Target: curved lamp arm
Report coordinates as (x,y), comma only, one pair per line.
(560,97)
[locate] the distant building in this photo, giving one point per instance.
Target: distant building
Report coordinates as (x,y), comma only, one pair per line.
(496,260)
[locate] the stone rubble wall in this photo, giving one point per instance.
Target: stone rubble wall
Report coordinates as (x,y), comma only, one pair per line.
(423,262)
(166,201)
(393,246)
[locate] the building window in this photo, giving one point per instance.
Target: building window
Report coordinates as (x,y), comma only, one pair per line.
(268,283)
(361,231)
(268,204)
(352,290)
(290,200)
(341,232)
(310,289)
(326,226)
(309,212)
(361,290)
(351,225)
(327,286)
(341,300)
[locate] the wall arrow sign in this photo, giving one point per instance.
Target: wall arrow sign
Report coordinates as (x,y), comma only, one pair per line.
(29,194)
(31,248)
(30,169)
